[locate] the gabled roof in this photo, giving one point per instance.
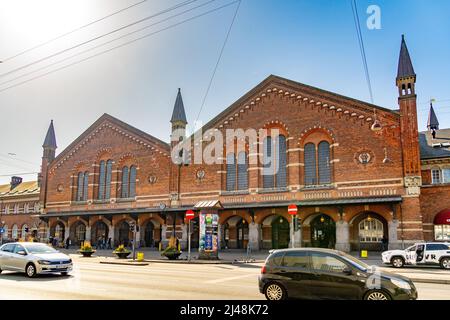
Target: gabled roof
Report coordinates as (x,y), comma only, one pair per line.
(405,67)
(426,142)
(178,111)
(276,81)
(433,122)
(50,139)
(25,188)
(154,142)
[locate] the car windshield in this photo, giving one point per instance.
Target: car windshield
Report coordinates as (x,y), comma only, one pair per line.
(39,248)
(355,262)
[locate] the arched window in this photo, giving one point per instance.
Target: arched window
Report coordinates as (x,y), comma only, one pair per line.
(371,230)
(101,180)
(16,208)
(104,183)
(324,163)
(125,178)
(310,165)
(231,172)
(274,162)
(242,171)
(129,177)
(26,208)
(14,232)
(317,164)
(82,186)
(133,173)
(237,172)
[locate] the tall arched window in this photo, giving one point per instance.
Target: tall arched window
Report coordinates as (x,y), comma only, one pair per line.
(125,179)
(129,177)
(274,162)
(133,174)
(82,186)
(5,232)
(317,164)
(237,172)
(104,181)
(231,172)
(310,165)
(324,163)
(242,171)
(24,231)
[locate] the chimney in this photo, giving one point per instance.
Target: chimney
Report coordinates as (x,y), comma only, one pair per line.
(15,181)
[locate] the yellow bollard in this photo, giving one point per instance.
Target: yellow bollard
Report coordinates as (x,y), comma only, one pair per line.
(364,254)
(140,256)
(179,247)
(160,246)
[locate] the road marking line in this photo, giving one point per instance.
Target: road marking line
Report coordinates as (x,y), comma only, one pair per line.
(230,278)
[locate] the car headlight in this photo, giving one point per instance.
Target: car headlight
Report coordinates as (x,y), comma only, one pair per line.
(401,284)
(44,262)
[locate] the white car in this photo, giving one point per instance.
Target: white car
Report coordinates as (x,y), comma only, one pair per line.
(432,253)
(33,258)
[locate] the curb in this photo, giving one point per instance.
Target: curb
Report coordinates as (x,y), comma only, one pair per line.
(139,264)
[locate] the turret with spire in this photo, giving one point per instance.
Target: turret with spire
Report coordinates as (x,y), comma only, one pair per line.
(178,119)
(49,150)
(406,80)
(433,123)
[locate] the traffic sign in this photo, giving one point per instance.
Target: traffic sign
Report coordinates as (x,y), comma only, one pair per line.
(190,215)
(292,209)
(2,230)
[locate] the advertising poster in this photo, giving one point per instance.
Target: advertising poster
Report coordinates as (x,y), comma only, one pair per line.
(209,233)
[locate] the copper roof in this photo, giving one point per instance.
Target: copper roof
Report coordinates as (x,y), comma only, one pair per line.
(25,188)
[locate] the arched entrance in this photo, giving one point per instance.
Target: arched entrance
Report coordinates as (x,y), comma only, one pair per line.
(241,234)
(124,233)
(58,233)
(280,233)
(323,232)
(369,231)
(78,233)
(442,226)
(100,231)
(149,234)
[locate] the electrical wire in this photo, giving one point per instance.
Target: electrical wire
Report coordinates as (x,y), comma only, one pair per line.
(362,47)
(98,37)
(122,45)
(71,32)
(218,61)
(105,43)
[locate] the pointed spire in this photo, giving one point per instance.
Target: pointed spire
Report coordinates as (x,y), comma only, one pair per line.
(178,111)
(405,67)
(433,123)
(50,138)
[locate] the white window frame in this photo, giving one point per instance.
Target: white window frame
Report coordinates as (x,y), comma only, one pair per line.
(443,178)
(433,179)
(368,233)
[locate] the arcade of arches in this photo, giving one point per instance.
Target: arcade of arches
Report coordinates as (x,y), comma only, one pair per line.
(354,229)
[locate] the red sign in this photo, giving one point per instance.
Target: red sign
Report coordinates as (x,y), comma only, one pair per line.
(292,209)
(190,215)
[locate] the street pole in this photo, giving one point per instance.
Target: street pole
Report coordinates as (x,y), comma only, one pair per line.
(293,231)
(189,241)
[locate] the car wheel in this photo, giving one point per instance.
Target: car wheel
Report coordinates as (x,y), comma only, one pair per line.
(376,295)
(445,263)
(275,292)
(398,262)
(30,270)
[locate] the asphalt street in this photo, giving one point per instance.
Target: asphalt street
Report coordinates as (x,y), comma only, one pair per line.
(156,281)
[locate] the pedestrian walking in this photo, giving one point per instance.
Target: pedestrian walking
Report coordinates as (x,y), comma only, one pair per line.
(109,244)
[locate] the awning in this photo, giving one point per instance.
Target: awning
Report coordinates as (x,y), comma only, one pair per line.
(442,217)
(214,204)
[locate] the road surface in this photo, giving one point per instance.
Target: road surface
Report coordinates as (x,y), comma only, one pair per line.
(157,281)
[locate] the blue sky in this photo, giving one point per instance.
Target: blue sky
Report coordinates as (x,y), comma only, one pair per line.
(313,42)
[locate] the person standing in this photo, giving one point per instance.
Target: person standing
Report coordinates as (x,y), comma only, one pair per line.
(109,244)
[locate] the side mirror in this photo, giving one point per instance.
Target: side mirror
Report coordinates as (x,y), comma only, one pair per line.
(22,253)
(348,271)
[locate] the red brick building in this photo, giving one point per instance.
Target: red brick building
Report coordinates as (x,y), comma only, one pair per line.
(19,210)
(353,169)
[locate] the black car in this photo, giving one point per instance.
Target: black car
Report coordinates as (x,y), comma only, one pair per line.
(329,274)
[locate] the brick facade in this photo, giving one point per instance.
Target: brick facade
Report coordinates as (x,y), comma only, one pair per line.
(373,159)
